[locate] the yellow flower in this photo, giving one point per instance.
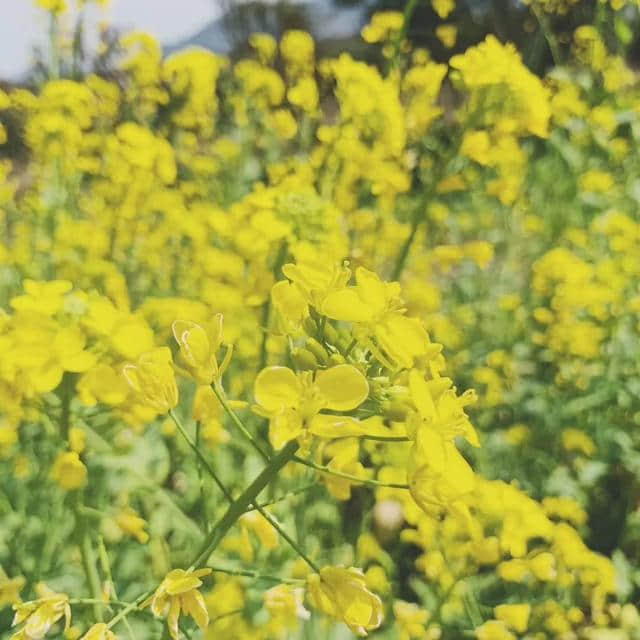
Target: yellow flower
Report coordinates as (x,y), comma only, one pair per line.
(153,379)
(99,631)
(285,606)
(447,34)
(69,471)
(265,46)
(384,25)
(198,349)
(576,440)
(440,409)
(55,6)
(132,524)
(43,297)
(515,616)
(10,588)
(77,439)
(342,594)
(494,630)
(293,402)
(178,594)
(40,615)
(437,473)
(410,619)
(443,7)
(377,310)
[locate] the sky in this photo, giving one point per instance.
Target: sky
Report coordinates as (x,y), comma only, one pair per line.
(23,25)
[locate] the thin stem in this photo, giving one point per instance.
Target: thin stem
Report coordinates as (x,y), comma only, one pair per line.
(276,525)
(286,496)
(232,414)
(90,570)
(203,499)
(239,506)
(407,14)
(103,603)
(234,612)
(348,476)
(352,344)
(128,609)
(406,247)
(200,456)
(548,34)
(253,574)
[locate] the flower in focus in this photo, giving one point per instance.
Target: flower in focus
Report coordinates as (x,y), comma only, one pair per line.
(342,594)
(153,379)
(178,594)
(198,348)
(293,402)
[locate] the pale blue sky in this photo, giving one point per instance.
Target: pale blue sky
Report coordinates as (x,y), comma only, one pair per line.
(22,24)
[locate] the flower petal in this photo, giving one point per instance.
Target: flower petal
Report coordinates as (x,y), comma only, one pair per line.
(276,388)
(346,305)
(343,387)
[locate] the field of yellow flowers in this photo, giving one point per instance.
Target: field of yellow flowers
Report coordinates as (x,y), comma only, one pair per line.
(302,348)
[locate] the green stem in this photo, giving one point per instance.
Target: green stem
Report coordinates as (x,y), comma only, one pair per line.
(406,247)
(548,34)
(348,476)
(286,496)
(234,612)
(102,603)
(272,521)
(294,545)
(203,496)
(200,456)
(253,574)
(232,414)
(407,14)
(66,391)
(128,609)
(239,506)
(106,569)
(90,570)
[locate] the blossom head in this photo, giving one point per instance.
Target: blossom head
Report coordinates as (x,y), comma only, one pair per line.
(342,594)
(153,379)
(178,594)
(293,401)
(198,348)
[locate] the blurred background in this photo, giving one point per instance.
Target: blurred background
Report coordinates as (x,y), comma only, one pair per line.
(224,25)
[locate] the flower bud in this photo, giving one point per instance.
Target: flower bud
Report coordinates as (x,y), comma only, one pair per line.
(304,360)
(318,350)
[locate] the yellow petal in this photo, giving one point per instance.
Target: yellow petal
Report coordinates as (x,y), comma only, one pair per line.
(46,378)
(327,426)
(372,290)
(78,362)
(276,388)
(343,387)
(421,396)
(346,305)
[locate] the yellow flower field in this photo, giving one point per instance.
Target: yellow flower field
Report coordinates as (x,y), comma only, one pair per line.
(312,347)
